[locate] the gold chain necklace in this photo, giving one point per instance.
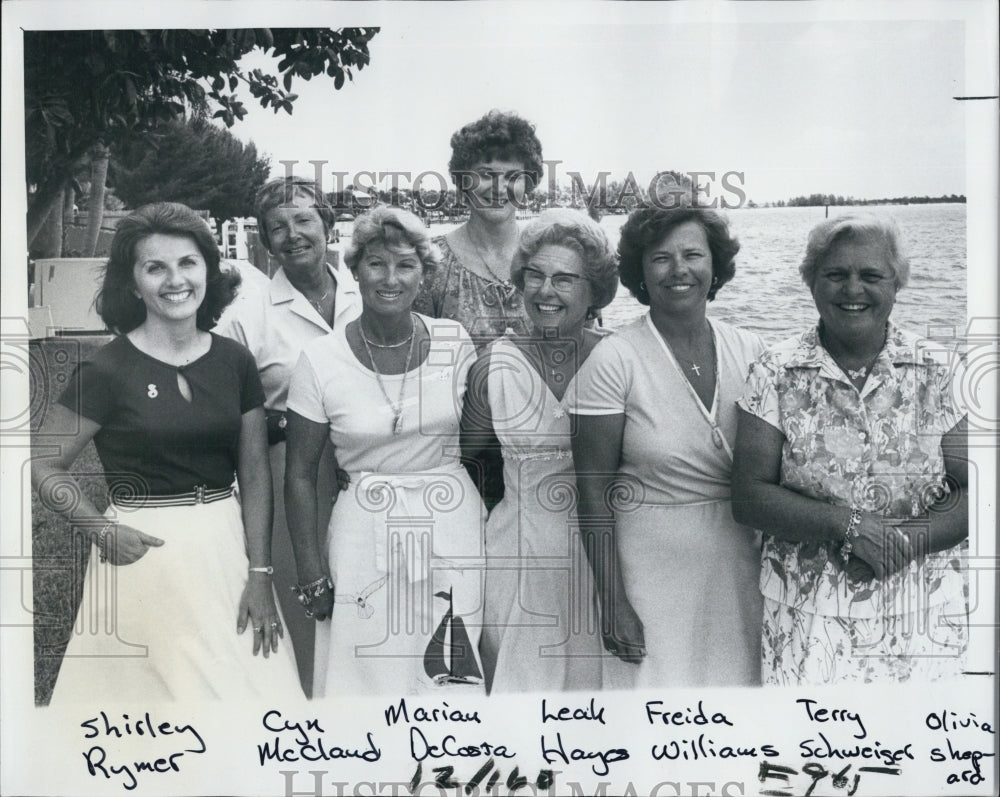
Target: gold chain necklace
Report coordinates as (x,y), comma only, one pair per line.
(397,406)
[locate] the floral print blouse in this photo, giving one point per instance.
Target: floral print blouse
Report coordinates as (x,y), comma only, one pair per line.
(878,449)
(487,309)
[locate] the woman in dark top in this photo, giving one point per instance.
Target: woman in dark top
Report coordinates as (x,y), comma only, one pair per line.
(181,566)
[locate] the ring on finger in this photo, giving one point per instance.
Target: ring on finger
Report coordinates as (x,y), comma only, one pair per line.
(257,629)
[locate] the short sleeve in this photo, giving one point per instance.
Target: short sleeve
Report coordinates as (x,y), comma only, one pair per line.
(601,386)
(760,394)
(92,391)
(251,389)
(305,393)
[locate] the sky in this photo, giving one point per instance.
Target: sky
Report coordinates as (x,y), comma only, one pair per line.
(844,107)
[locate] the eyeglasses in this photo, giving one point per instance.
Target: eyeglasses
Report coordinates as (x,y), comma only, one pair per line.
(564,283)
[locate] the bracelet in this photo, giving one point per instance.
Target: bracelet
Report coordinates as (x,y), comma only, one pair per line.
(850,534)
(269,570)
(307,593)
(102,541)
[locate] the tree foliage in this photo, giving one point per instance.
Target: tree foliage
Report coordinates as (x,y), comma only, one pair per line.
(89,87)
(193,162)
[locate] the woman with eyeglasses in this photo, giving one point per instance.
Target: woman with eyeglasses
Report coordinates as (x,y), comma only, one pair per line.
(540,629)
(656,424)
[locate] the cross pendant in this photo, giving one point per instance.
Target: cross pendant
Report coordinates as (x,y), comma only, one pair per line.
(696,369)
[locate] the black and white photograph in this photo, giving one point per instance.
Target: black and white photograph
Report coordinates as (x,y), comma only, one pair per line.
(499,398)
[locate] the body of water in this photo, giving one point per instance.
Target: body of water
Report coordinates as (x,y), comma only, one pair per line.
(767,294)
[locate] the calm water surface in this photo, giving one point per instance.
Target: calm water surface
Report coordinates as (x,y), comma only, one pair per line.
(768,296)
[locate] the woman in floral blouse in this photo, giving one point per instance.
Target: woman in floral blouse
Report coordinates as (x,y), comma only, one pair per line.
(850,457)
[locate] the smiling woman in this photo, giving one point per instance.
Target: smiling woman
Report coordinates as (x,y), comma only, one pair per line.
(175,413)
(403,541)
(851,458)
(496,161)
(655,410)
(540,622)
(309,296)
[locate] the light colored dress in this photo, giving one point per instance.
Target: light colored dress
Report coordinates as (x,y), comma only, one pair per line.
(406,538)
(879,450)
(542,629)
(690,571)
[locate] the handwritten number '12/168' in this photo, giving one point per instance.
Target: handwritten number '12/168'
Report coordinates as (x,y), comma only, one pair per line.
(443,778)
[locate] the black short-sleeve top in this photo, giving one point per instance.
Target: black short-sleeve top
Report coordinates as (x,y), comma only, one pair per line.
(152,440)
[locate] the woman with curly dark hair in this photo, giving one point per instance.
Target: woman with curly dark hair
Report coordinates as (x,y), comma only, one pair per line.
(496,162)
(175,413)
(655,409)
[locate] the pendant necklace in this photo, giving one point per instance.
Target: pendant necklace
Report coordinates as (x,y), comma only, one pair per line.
(503,288)
(395,406)
(318,303)
(859,374)
(717,439)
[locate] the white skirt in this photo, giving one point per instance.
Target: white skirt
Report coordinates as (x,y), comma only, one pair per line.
(406,558)
(164,627)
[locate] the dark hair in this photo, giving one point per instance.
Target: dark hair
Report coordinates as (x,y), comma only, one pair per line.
(281,191)
(498,134)
(119,307)
(575,230)
(648,226)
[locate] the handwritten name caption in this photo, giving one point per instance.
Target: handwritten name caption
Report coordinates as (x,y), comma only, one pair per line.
(164,739)
(305,741)
(558,750)
(426,743)
(963,734)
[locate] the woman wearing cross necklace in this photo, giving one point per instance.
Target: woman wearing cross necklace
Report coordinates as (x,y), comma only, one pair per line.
(851,458)
(655,404)
(400,575)
(308,297)
(540,626)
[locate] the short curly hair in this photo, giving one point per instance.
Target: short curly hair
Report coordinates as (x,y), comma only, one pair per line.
(575,230)
(498,134)
(826,235)
(650,225)
(391,226)
(116,302)
(280,191)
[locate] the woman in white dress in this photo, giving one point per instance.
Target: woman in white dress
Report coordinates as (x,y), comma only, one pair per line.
(656,413)
(541,630)
(401,577)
